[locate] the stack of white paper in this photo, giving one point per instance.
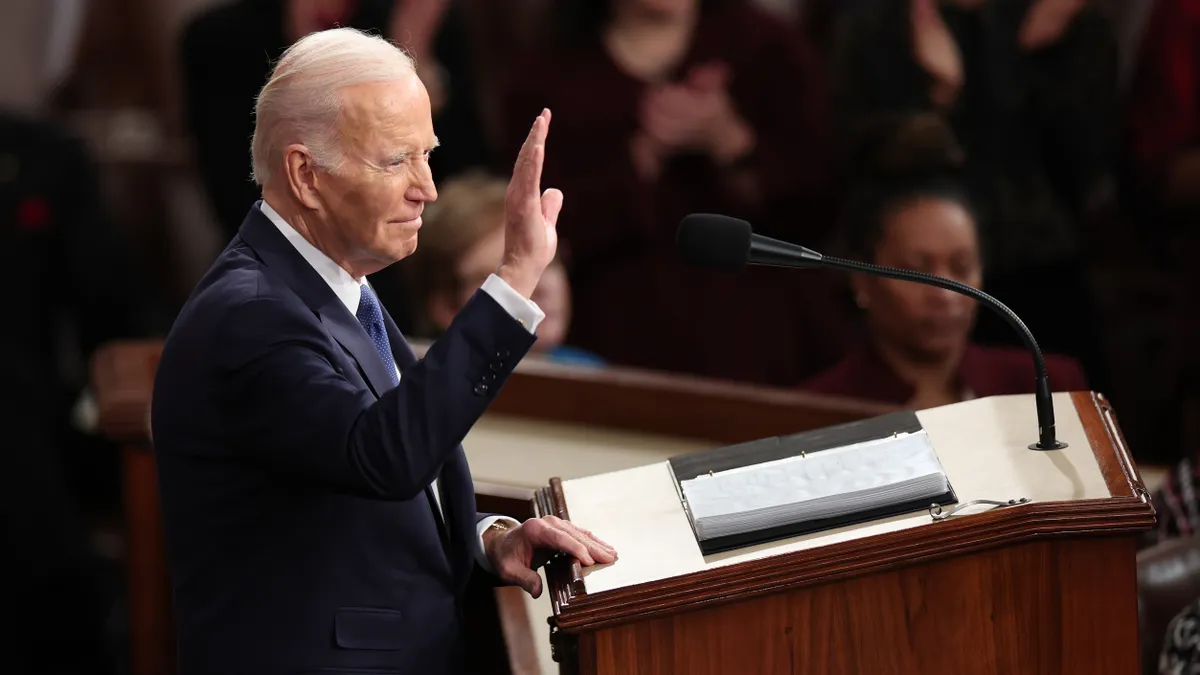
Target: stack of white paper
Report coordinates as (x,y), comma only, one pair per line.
(827,484)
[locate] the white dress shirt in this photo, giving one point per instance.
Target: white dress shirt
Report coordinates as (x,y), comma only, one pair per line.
(349,291)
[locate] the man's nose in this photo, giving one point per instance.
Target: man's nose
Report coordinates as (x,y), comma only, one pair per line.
(422,188)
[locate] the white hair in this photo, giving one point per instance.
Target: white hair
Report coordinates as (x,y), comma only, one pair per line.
(301,101)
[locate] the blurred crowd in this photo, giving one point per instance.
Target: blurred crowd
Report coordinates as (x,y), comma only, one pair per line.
(1044,150)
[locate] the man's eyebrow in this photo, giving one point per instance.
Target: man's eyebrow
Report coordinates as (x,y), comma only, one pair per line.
(402,155)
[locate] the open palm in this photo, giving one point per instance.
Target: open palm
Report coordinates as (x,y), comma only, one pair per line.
(530,215)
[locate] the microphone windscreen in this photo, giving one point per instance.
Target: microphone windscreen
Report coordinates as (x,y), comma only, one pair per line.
(710,240)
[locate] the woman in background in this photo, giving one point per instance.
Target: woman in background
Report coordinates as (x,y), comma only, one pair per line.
(1030,89)
(668,107)
(462,243)
(912,212)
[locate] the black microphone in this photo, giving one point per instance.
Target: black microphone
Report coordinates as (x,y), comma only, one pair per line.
(722,242)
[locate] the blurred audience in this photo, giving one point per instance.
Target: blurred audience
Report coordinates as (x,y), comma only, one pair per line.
(1181,645)
(1030,90)
(663,108)
(227,52)
(74,290)
(462,242)
(1163,127)
(980,140)
(912,211)
(1177,502)
(1164,106)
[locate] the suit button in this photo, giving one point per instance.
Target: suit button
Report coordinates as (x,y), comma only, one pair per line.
(502,354)
(496,366)
(481,389)
(489,377)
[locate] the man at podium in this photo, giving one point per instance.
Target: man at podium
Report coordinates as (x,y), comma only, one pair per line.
(319,513)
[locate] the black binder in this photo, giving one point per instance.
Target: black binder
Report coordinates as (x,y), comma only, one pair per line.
(691,465)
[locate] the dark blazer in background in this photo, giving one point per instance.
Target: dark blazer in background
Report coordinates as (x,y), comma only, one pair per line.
(301,533)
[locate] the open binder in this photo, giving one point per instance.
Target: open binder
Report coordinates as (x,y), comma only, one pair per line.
(784,486)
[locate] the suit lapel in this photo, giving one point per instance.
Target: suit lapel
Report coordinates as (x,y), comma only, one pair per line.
(294,271)
(454,481)
(282,259)
(448,518)
(349,333)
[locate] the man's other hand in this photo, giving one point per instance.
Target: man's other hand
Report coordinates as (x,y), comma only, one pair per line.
(515,553)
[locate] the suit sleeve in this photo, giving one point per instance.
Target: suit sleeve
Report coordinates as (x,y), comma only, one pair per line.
(288,404)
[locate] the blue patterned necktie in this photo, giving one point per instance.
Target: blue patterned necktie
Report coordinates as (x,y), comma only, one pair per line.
(370,315)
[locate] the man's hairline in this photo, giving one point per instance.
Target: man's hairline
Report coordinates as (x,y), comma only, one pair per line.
(340,101)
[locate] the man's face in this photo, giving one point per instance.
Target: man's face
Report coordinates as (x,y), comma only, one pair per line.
(371,205)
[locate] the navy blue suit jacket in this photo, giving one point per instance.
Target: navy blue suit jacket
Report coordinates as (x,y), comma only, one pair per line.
(294,477)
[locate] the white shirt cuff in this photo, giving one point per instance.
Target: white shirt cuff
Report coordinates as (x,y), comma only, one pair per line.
(480,554)
(517,306)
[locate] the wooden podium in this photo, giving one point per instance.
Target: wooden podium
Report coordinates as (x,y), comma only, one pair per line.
(1047,586)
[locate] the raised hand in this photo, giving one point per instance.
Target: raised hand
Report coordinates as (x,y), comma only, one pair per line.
(514,553)
(936,51)
(530,216)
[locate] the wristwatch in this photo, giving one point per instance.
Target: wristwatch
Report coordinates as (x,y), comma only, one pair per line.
(502,525)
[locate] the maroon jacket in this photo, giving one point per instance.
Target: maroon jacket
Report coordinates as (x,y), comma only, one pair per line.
(985,371)
(636,302)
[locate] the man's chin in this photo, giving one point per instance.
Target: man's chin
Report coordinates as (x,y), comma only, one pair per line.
(403,249)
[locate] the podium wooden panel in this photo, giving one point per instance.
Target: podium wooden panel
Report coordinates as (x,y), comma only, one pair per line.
(587,419)
(1044,587)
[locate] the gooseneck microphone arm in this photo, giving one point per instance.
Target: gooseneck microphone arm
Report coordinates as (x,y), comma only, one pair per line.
(723,242)
(1045,405)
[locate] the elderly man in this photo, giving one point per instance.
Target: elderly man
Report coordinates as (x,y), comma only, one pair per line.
(318,508)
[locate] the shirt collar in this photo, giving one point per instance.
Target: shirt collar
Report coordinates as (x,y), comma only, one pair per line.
(345,287)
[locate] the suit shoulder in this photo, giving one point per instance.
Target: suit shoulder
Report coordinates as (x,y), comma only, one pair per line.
(238,301)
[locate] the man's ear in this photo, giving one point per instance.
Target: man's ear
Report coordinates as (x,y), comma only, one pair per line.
(302,175)
(442,309)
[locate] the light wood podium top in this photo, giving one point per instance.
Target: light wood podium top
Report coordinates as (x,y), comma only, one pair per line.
(983,447)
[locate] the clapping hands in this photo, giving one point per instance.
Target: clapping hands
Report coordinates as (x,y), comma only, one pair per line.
(694,115)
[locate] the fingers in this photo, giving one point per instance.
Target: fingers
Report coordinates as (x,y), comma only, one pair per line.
(561,539)
(566,536)
(527,174)
(600,551)
(526,578)
(549,532)
(552,202)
